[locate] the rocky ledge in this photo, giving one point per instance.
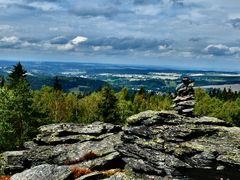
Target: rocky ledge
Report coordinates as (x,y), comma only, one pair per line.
(154,145)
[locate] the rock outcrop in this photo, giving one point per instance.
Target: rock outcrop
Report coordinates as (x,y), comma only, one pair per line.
(158,144)
(61,148)
(184,102)
(154,145)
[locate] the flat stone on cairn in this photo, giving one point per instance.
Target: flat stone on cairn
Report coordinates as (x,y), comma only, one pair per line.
(184,102)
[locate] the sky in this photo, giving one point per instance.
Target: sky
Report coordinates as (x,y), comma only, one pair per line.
(202,34)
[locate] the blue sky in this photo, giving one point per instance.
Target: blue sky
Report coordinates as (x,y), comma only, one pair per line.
(183,33)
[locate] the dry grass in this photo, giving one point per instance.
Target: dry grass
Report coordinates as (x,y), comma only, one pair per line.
(77,172)
(112,172)
(5,177)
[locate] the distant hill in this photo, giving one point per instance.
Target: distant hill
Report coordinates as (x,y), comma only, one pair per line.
(76,84)
(88,77)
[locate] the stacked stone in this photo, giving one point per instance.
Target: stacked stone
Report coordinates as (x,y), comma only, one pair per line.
(184,102)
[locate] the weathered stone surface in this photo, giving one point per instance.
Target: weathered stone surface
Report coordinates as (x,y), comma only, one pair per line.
(72,133)
(154,145)
(120,176)
(43,172)
(12,161)
(64,145)
(171,143)
(142,116)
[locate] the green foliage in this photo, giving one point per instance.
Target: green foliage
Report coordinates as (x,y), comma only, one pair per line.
(107,107)
(159,102)
(17,74)
(68,84)
(50,106)
(15,107)
(22,109)
(72,111)
(7,132)
(213,106)
(57,86)
(144,101)
(2,81)
(15,115)
(124,105)
(88,108)
(224,95)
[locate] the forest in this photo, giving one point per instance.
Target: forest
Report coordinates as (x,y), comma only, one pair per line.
(23,110)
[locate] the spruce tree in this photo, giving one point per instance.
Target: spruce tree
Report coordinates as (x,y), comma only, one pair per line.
(7,132)
(16,75)
(21,109)
(57,85)
(2,81)
(107,108)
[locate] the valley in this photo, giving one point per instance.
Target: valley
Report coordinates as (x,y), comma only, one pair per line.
(88,77)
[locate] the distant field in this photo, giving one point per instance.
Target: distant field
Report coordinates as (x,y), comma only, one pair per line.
(233,87)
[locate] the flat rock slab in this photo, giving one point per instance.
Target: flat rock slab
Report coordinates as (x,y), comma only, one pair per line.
(43,172)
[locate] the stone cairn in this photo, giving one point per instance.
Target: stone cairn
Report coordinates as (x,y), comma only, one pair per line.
(184,101)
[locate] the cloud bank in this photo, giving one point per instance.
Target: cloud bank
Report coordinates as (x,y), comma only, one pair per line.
(113,29)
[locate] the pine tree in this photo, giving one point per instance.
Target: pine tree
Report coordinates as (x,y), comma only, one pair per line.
(21,108)
(2,81)
(57,85)
(7,132)
(107,108)
(16,75)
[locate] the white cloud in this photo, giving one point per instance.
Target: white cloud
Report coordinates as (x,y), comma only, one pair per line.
(9,39)
(65,47)
(101,48)
(45,6)
(122,27)
(234,50)
(13,42)
(72,44)
(79,39)
(163,47)
(221,49)
(217,46)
